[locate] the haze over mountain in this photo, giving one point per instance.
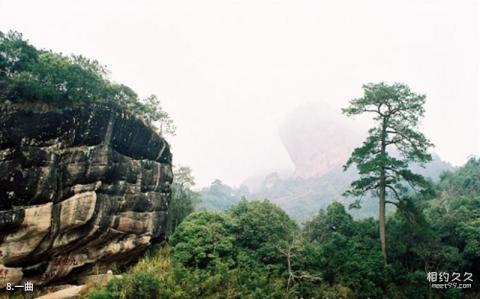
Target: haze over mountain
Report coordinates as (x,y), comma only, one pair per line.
(228,71)
(319,141)
(318,138)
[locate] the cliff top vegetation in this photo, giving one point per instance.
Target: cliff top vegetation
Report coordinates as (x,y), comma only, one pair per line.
(31,75)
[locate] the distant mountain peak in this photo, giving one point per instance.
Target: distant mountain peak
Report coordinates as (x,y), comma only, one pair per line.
(318,138)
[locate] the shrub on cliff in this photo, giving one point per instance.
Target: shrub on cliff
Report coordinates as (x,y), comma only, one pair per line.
(28,75)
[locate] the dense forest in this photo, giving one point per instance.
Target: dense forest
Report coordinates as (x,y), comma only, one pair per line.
(254,250)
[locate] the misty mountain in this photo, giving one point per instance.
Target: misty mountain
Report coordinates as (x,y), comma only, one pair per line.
(319,140)
(301,197)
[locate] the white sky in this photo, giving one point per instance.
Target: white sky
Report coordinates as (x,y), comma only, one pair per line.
(228,71)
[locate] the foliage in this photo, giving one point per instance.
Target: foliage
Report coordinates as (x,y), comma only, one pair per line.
(301,198)
(220,197)
(261,226)
(207,260)
(183,198)
(344,250)
(151,277)
(455,218)
(397,111)
(255,250)
(30,75)
(203,239)
(464,181)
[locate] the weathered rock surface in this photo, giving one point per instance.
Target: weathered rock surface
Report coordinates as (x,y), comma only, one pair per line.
(80,188)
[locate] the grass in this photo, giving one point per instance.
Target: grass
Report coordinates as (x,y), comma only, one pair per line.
(147,279)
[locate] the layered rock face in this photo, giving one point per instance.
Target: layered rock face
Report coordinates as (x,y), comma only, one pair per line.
(80,189)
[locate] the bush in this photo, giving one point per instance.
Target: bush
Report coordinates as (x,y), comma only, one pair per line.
(102,294)
(202,238)
(261,227)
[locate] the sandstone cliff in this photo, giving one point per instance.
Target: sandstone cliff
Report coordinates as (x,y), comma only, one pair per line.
(80,189)
(319,139)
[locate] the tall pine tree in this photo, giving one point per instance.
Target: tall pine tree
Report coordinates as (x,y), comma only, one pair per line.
(394,142)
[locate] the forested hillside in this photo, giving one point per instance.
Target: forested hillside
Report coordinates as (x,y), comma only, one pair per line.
(302,197)
(254,250)
(428,247)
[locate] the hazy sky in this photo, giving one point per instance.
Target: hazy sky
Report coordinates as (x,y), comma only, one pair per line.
(229,71)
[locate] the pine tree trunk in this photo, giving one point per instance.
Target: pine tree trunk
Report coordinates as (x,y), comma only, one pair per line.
(381,222)
(381,210)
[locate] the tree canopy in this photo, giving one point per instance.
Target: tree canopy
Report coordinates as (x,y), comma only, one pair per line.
(31,75)
(254,250)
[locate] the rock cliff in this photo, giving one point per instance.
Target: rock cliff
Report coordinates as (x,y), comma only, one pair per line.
(319,139)
(81,188)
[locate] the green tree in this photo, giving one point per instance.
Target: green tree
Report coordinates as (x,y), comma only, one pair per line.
(340,252)
(261,227)
(16,55)
(183,176)
(155,113)
(219,196)
(204,238)
(397,111)
(30,75)
(455,216)
(183,198)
